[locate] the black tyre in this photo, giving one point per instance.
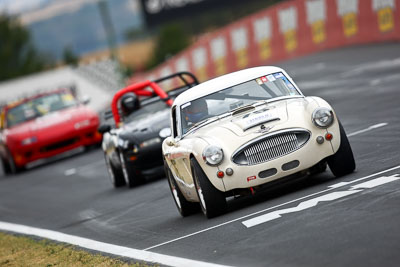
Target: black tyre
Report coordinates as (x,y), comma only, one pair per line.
(10,163)
(184,207)
(6,166)
(320,167)
(116,176)
(212,201)
(342,162)
(131,178)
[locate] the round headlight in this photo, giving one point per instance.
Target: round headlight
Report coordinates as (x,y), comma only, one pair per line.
(213,155)
(322,117)
(29,141)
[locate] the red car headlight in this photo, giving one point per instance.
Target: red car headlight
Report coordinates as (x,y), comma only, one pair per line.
(81,124)
(29,141)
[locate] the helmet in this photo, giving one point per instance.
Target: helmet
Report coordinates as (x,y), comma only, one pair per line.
(129,103)
(197,111)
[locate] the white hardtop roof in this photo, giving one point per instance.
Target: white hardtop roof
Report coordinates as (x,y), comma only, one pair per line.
(225,81)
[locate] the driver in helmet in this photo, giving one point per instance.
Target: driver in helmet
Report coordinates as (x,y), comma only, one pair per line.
(129,103)
(196,111)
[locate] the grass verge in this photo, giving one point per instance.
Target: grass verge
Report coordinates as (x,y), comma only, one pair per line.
(25,251)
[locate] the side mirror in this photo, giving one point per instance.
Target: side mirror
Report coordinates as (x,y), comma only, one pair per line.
(85,99)
(170,141)
(104,128)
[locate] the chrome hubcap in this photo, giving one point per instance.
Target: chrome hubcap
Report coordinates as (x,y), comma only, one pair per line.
(174,193)
(200,194)
(124,171)
(203,203)
(110,172)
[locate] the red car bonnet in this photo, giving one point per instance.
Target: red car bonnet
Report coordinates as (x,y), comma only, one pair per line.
(56,121)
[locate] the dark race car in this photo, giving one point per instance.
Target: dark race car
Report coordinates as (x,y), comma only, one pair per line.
(132,148)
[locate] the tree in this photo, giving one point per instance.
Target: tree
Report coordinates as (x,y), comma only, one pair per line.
(171,40)
(17,54)
(69,56)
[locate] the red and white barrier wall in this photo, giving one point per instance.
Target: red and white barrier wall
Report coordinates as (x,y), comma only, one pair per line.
(287,30)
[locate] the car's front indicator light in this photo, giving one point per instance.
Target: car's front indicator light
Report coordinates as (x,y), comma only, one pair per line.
(150,142)
(213,155)
(328,136)
(322,117)
(229,171)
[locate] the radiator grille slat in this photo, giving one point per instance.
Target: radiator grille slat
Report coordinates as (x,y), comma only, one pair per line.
(272,147)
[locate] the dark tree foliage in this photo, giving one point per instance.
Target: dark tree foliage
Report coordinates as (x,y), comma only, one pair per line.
(17,54)
(171,40)
(174,37)
(69,57)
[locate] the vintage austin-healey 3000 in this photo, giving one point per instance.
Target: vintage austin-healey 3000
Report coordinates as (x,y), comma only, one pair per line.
(242,130)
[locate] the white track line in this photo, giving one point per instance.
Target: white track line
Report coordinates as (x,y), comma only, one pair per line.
(70,172)
(276,214)
(88,166)
(376,182)
(136,254)
(330,188)
(270,216)
(379,125)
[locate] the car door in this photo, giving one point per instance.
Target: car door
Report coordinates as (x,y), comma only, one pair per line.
(177,155)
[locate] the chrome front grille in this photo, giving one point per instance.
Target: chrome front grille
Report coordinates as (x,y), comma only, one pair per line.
(270,147)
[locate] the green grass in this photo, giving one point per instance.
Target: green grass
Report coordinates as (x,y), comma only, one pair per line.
(25,251)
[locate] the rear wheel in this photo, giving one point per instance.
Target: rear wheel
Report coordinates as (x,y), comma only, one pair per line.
(116,176)
(212,201)
(131,178)
(342,162)
(184,207)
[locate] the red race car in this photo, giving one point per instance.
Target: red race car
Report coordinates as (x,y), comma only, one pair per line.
(43,126)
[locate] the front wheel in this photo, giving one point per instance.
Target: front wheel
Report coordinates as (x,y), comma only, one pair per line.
(6,166)
(184,207)
(212,201)
(12,166)
(131,178)
(342,162)
(115,175)
(318,168)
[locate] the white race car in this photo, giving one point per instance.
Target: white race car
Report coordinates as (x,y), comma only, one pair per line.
(237,132)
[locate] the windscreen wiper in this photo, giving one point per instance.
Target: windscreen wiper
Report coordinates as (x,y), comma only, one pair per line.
(197,124)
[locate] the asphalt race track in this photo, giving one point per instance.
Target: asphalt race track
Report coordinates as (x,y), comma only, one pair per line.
(314,221)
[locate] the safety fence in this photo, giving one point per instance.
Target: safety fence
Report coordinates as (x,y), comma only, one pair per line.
(286,30)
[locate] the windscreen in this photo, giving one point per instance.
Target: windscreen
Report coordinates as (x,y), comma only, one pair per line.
(263,88)
(38,107)
(145,110)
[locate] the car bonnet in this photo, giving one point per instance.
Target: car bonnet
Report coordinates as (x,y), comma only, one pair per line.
(264,118)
